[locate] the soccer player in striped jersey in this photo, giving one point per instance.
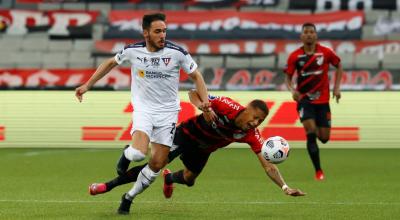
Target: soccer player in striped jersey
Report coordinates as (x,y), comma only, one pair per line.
(196,139)
(311,64)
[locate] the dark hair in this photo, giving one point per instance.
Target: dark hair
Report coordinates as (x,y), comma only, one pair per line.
(149,18)
(260,104)
(308,24)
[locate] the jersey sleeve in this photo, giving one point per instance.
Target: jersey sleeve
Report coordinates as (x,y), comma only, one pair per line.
(225,106)
(334,59)
(187,63)
(255,140)
(290,64)
(122,56)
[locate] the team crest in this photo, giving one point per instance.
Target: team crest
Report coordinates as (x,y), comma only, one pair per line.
(320,60)
(166,60)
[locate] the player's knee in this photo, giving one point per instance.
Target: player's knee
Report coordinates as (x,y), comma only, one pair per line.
(190,183)
(133,154)
(324,140)
(157,165)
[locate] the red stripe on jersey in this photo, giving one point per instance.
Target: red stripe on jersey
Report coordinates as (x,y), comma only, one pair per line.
(197,124)
(309,62)
(187,132)
(311,77)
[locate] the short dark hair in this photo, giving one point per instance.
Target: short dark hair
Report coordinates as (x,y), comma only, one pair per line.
(260,104)
(308,24)
(149,18)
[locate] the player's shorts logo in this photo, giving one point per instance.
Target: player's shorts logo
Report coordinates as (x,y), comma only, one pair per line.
(301,112)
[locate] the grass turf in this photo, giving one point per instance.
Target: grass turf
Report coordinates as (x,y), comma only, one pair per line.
(52,184)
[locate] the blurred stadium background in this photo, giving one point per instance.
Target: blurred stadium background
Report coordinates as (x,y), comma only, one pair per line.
(241,46)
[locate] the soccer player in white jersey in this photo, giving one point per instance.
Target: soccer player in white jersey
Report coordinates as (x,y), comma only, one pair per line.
(155,81)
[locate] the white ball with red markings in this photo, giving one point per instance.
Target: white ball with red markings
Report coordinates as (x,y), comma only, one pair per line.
(275,149)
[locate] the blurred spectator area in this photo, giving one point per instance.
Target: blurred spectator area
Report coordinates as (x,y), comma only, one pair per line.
(97,30)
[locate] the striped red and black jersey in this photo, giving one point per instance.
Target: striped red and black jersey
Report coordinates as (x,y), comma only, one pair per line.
(312,72)
(222,132)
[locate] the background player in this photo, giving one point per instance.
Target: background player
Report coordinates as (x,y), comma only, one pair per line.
(311,63)
(155,81)
(197,137)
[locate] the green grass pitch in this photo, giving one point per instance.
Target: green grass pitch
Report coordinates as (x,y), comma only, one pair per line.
(52,184)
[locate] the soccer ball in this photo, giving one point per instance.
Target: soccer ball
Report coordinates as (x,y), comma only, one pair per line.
(275,149)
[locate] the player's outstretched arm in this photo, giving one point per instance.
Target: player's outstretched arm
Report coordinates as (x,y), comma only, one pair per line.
(338,78)
(100,72)
(201,87)
(274,174)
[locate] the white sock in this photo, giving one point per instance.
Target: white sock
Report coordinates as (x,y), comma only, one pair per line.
(133,154)
(145,178)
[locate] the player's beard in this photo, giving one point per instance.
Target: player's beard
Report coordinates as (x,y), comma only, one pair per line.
(158,45)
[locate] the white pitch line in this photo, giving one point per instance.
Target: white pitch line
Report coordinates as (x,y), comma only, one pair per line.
(201,202)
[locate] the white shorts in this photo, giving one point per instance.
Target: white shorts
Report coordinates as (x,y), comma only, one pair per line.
(160,128)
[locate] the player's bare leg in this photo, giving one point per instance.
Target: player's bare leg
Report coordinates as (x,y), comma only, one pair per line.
(324,134)
(311,131)
(158,159)
(135,152)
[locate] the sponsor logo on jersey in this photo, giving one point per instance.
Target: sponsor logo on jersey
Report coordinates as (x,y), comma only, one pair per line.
(312,73)
(156,75)
(166,60)
(230,104)
(155,61)
(141,73)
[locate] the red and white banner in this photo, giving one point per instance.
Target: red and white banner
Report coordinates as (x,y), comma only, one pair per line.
(216,79)
(57,22)
(260,46)
(239,25)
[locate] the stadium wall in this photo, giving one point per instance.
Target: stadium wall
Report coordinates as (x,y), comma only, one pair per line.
(54,119)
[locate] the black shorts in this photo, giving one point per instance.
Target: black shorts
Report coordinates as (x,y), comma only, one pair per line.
(193,157)
(321,113)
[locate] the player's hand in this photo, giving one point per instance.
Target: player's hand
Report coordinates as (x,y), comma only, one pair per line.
(80,91)
(336,95)
(210,116)
(294,192)
(208,112)
(296,96)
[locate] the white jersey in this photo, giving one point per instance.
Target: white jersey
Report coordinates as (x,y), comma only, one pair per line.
(155,75)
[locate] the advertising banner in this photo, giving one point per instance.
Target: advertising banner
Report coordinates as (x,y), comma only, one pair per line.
(215,78)
(336,5)
(261,47)
(228,24)
(57,23)
(103,119)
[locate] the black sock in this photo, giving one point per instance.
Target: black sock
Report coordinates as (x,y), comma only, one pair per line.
(313,150)
(176,177)
(128,177)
